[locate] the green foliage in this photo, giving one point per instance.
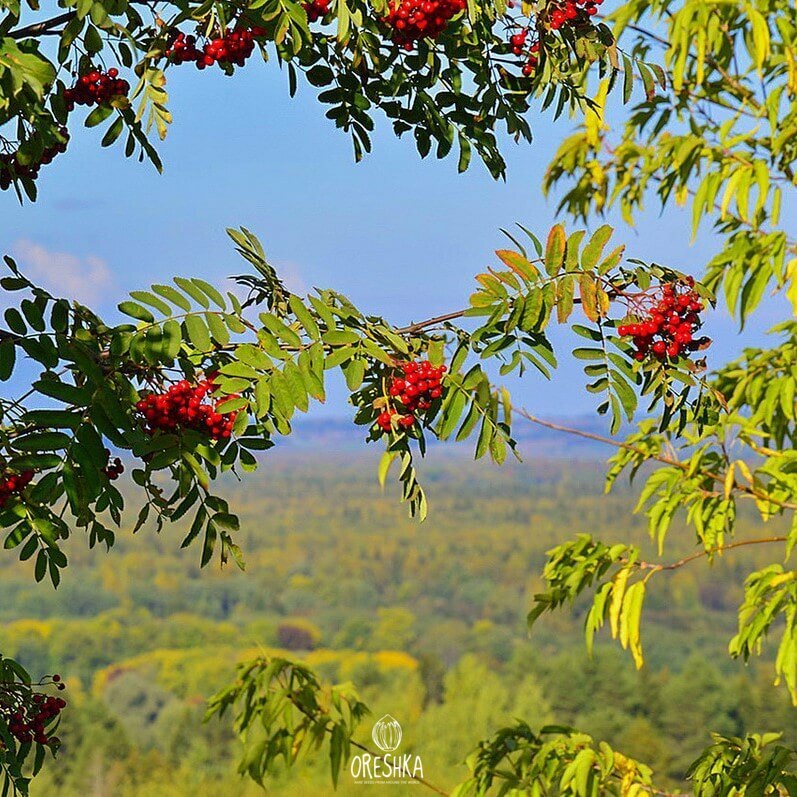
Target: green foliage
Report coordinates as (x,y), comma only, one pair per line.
(267,358)
(20,760)
(752,766)
(518,761)
(281,713)
(770,594)
(450,93)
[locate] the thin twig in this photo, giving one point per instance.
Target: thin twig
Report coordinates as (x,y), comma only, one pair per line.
(700,554)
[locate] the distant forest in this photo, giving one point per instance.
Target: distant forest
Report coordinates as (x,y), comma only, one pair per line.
(427,619)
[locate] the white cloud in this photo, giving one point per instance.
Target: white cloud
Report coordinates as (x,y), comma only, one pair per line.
(86,279)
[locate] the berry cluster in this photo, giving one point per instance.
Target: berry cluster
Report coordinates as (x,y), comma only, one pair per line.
(316,10)
(417,19)
(114,469)
(11,167)
(667,330)
(571,12)
(184,406)
(234,47)
(96,88)
(518,44)
(13,484)
(416,386)
(29,714)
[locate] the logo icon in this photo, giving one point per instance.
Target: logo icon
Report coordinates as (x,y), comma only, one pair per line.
(386,766)
(386,734)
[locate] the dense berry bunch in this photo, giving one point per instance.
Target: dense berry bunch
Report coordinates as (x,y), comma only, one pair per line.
(414,387)
(233,47)
(13,484)
(96,88)
(11,166)
(417,19)
(571,12)
(518,44)
(30,714)
(316,10)
(114,469)
(667,330)
(186,406)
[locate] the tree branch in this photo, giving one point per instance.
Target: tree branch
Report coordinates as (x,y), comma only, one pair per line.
(430,322)
(700,554)
(682,466)
(42,27)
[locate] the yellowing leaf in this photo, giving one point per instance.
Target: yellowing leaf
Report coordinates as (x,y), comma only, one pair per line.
(519,264)
(630,619)
(555,250)
(791,288)
(589,296)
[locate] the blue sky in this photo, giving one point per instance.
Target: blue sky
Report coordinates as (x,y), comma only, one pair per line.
(400,236)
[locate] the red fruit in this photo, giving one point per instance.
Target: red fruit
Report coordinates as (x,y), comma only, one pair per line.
(671,322)
(411,20)
(183,407)
(416,390)
(96,88)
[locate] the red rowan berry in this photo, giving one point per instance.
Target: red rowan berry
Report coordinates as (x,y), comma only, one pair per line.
(414,385)
(412,20)
(96,88)
(183,407)
(668,330)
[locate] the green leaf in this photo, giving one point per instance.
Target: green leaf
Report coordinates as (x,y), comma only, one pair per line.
(592,252)
(214,295)
(193,291)
(218,329)
(153,301)
(198,333)
(8,357)
(304,316)
(135,310)
(98,115)
(341,337)
(113,132)
(174,296)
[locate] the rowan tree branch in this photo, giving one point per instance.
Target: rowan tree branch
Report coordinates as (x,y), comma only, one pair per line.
(42,27)
(701,554)
(750,492)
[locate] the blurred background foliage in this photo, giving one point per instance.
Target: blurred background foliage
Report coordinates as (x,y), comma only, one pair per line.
(428,620)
